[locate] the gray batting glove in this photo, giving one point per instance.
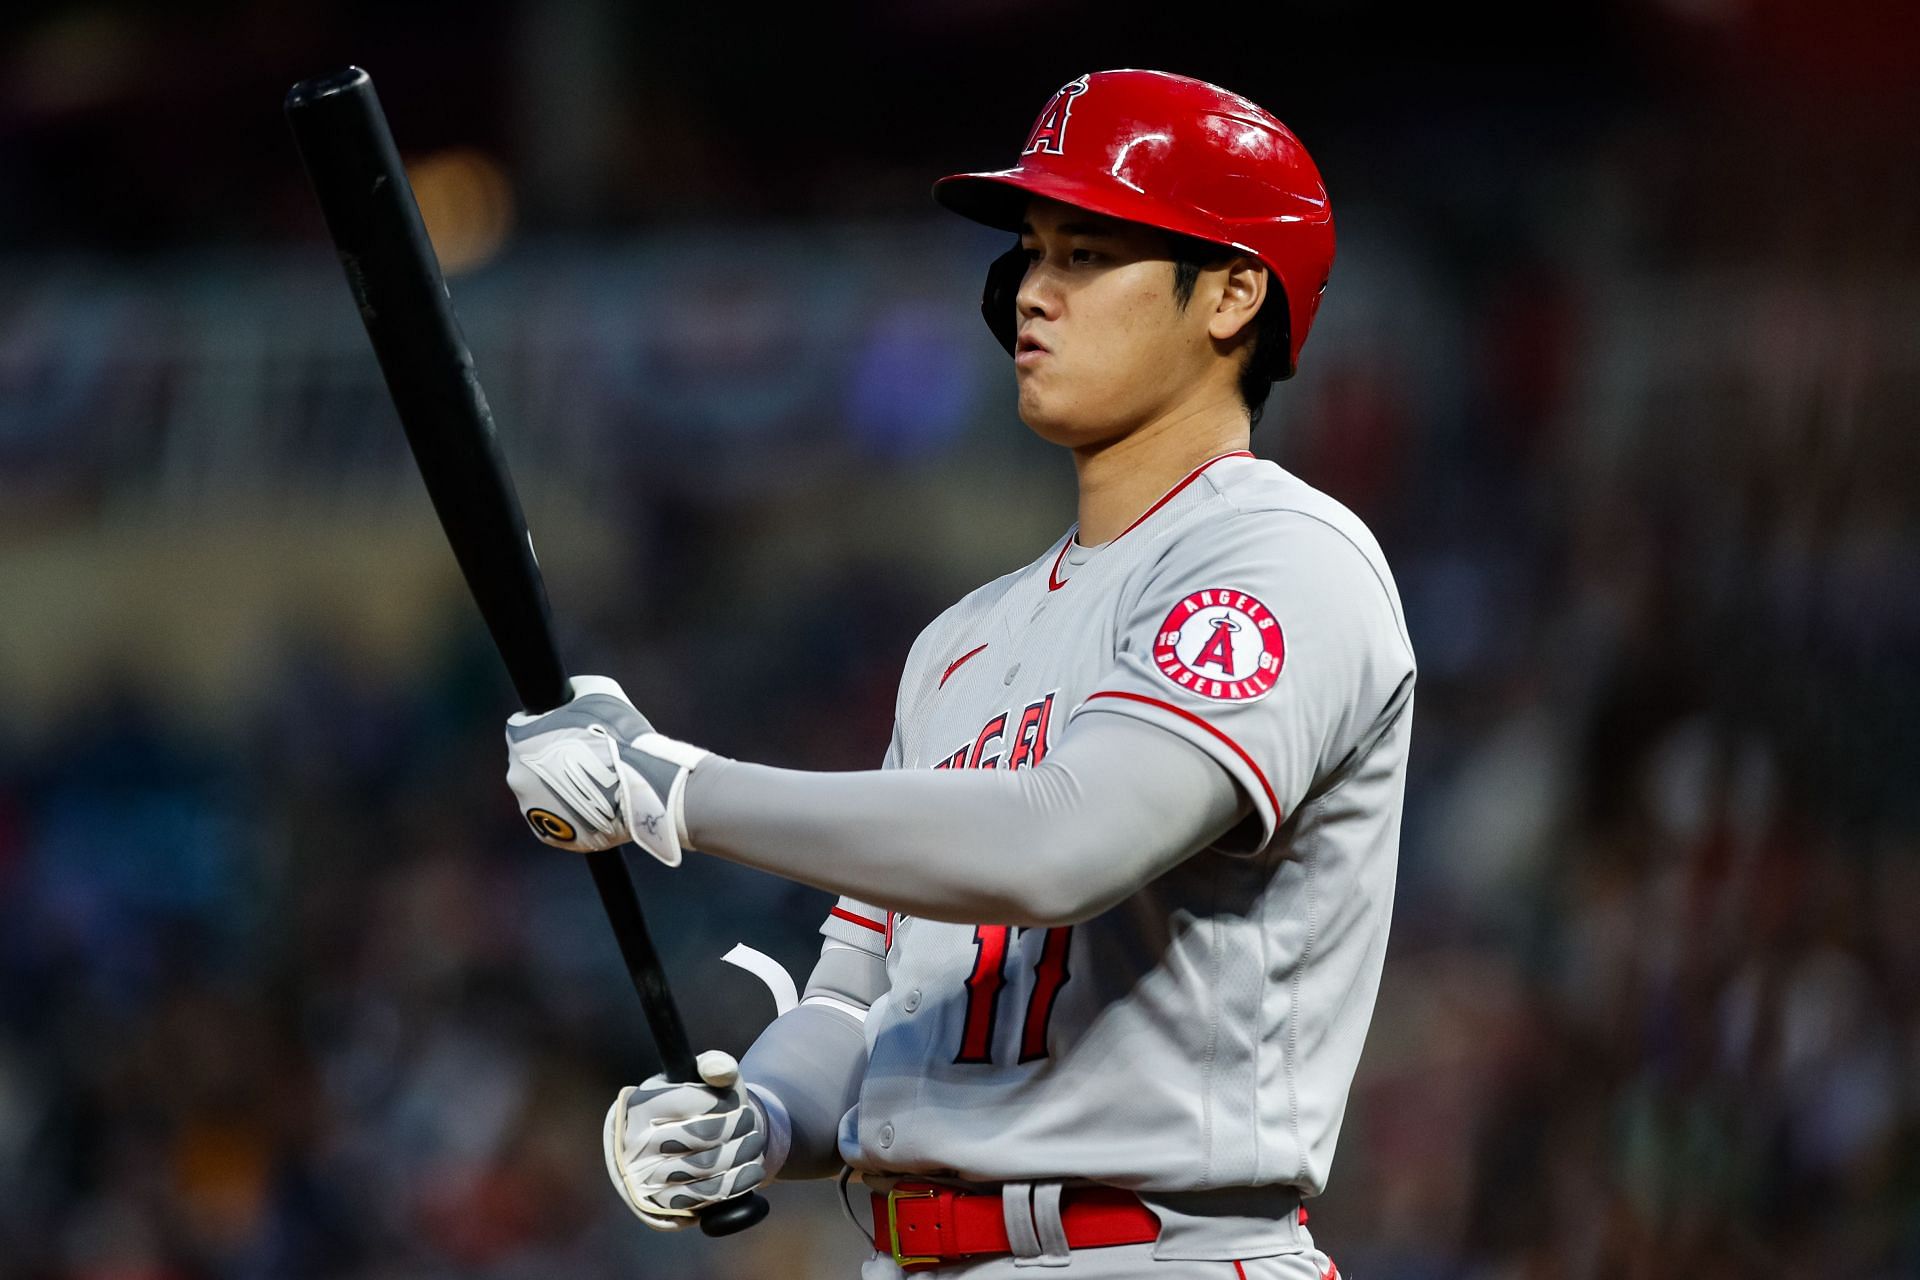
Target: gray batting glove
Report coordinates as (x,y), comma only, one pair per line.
(674,1148)
(593,774)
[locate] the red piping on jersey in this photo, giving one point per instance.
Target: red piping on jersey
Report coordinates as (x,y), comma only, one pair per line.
(955,665)
(1278,816)
(1055,582)
(1239,1270)
(862,921)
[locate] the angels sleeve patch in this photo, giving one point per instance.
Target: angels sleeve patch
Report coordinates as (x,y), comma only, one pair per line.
(1221,644)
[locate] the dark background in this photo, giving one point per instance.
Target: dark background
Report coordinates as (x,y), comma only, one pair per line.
(1618,360)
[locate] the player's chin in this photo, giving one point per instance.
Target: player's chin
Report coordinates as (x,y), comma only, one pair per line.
(1051,428)
(1048,410)
(1065,420)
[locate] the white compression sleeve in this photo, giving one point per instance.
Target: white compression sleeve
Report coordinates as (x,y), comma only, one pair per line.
(1115,805)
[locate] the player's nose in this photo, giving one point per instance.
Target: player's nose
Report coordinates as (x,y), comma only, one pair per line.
(1039,295)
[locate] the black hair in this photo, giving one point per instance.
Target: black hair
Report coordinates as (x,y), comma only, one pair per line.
(1268,360)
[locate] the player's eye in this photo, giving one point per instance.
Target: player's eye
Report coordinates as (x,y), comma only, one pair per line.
(1085,255)
(1032,255)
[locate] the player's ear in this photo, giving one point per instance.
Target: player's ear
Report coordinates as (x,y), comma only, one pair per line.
(1241,293)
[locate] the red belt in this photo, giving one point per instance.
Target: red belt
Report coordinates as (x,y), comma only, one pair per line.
(924,1224)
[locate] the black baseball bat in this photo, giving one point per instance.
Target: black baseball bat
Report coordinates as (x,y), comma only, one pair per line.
(369,207)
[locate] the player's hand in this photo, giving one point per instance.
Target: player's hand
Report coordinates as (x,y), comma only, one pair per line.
(593,774)
(674,1148)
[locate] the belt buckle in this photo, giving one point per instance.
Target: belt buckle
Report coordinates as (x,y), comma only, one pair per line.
(894,1196)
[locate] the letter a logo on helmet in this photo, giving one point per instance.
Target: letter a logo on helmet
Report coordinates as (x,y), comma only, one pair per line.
(1050,130)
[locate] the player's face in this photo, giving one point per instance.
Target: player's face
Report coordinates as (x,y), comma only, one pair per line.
(1103,347)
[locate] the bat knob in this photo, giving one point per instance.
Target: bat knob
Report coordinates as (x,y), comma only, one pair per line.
(733,1215)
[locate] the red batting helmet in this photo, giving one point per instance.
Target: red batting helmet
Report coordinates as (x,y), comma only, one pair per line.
(1174,153)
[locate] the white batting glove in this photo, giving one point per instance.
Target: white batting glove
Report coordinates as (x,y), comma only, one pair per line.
(674,1148)
(593,774)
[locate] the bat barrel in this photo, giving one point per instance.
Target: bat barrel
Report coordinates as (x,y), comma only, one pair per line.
(368,204)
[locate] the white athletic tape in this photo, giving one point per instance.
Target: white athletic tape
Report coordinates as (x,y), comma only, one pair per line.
(768,970)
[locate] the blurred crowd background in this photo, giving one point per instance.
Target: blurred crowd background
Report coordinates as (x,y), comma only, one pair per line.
(1620,360)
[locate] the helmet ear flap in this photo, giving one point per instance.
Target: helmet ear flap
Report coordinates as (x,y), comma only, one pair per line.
(997,297)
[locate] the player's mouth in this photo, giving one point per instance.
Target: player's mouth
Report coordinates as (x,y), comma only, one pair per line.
(1029,351)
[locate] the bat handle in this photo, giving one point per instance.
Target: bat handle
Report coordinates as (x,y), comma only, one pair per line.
(663,1015)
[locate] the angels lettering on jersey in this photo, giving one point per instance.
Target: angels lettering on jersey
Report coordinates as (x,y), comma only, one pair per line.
(1025,746)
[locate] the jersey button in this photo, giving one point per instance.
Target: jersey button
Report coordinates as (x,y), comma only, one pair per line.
(912,1001)
(886,1135)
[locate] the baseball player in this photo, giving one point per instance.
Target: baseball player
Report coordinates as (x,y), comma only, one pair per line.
(1113,909)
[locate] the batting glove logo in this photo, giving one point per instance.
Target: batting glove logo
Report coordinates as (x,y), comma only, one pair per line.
(549,825)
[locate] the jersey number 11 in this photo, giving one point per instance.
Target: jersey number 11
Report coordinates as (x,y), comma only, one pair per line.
(989,976)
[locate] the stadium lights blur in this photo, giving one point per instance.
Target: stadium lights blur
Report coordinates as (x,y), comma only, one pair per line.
(467,204)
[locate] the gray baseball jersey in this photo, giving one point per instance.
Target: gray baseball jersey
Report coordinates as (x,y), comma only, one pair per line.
(1203,1033)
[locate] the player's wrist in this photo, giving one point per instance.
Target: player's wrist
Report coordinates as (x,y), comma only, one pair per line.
(695,806)
(776,1123)
(668,765)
